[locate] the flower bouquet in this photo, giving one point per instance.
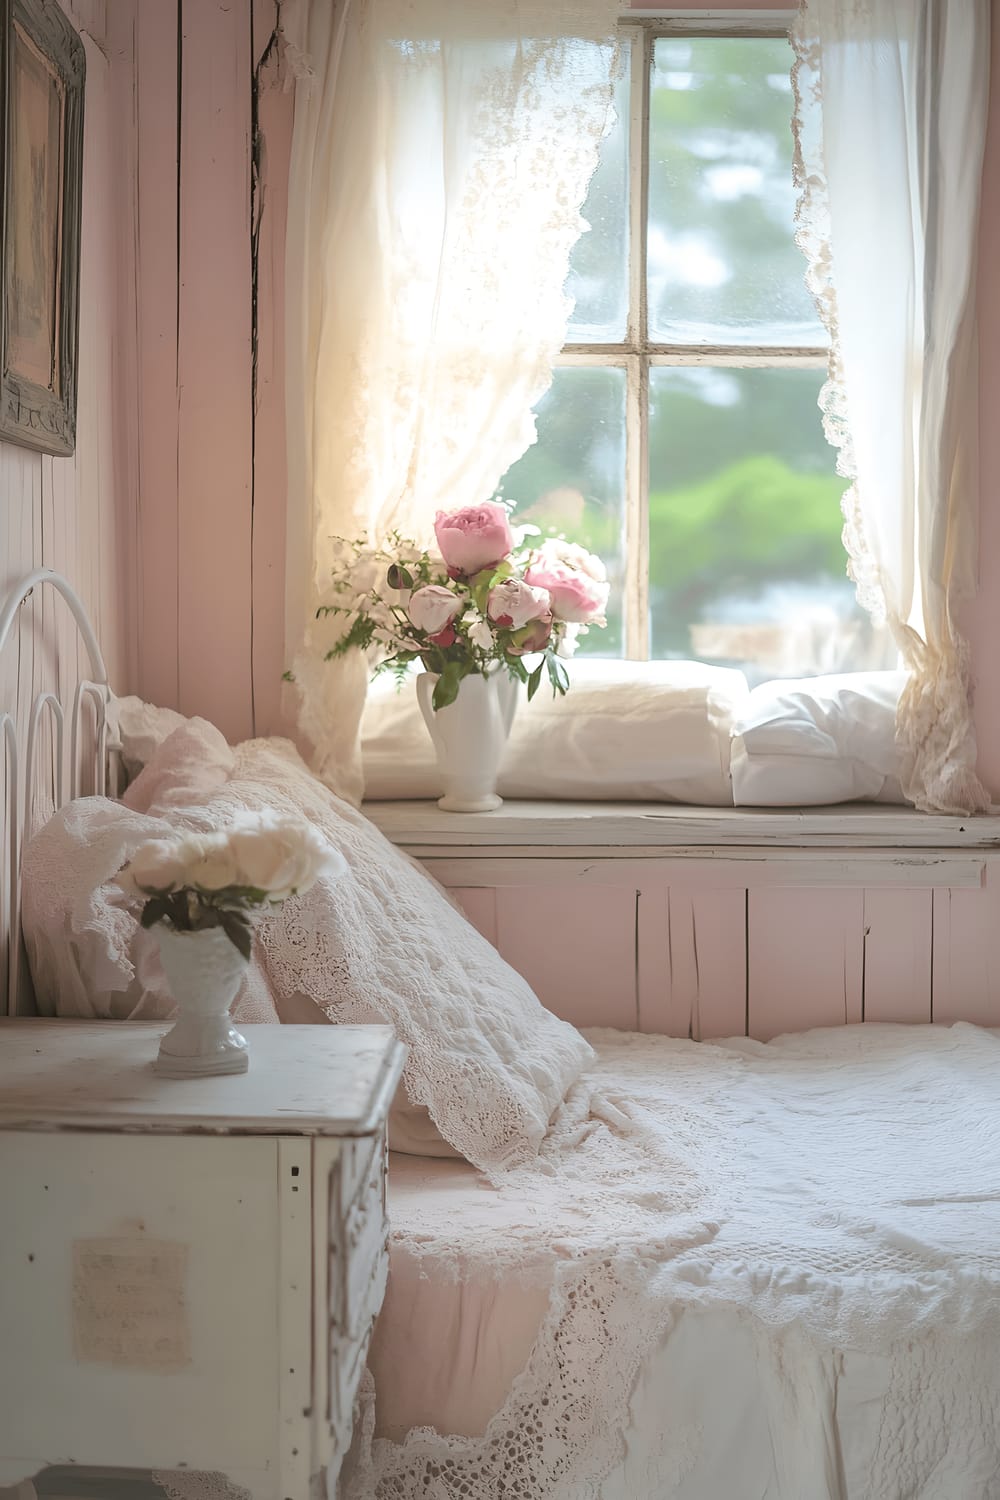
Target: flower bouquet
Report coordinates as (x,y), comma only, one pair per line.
(490,599)
(199,890)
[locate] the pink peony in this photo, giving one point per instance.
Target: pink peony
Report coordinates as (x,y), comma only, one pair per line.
(512,604)
(433,608)
(476,537)
(576,596)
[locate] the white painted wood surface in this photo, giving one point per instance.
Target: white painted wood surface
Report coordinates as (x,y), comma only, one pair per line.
(187,1288)
(98,1075)
(659,826)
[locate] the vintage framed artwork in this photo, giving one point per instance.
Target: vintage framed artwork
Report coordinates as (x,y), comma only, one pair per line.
(42,66)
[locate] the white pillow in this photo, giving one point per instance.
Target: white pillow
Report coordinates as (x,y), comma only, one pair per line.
(384,943)
(817,741)
(87,954)
(625,731)
(142,728)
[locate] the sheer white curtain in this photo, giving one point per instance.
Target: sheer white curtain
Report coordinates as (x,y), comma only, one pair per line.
(440,158)
(890,119)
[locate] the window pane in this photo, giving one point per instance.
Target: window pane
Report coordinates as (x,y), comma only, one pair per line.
(571,483)
(598,268)
(723,266)
(746,563)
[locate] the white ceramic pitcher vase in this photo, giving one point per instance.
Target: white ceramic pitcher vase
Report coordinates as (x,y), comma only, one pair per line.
(469,737)
(204,971)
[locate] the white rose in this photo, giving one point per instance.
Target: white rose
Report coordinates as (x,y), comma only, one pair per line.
(156,868)
(216,868)
(282,856)
(432,608)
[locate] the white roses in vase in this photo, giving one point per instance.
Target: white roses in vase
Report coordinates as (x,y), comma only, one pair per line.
(197,881)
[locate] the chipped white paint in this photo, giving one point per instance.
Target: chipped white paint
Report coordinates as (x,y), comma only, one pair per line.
(159,1247)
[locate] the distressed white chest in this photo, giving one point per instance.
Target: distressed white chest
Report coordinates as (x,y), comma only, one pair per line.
(189,1270)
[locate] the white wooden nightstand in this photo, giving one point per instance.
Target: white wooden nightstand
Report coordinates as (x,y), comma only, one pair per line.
(189,1270)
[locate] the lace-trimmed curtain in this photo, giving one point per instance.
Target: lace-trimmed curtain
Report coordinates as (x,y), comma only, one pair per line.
(441,155)
(890,122)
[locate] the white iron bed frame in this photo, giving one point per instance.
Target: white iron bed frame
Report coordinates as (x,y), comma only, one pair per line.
(79,761)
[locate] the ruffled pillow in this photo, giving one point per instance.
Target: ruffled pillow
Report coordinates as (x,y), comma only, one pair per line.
(384,944)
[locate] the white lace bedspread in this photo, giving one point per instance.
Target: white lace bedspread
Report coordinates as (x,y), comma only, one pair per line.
(838,1190)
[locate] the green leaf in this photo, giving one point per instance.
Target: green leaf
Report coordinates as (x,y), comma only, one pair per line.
(558,676)
(534,681)
(447,686)
(239,931)
(154,911)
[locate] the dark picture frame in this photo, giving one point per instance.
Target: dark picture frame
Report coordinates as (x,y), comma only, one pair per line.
(42,72)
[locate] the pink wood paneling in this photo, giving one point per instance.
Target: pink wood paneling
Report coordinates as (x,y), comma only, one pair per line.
(984,616)
(805,959)
(156,332)
(275,109)
(691,962)
(480,906)
(77,514)
(214,354)
(576,947)
(897,955)
(966,972)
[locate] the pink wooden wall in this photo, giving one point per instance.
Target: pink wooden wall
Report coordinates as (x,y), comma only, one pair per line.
(674,954)
(78,514)
(211,404)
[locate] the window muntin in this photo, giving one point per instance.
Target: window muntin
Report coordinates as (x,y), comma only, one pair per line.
(691,307)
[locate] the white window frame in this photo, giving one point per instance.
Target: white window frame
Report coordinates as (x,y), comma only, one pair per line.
(637,354)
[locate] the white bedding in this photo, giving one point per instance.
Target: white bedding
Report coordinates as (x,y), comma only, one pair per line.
(737,1271)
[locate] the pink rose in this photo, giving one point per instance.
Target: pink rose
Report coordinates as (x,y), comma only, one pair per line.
(512,604)
(476,537)
(533,637)
(576,597)
(433,608)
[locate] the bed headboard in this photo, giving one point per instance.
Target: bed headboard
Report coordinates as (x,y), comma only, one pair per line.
(56,732)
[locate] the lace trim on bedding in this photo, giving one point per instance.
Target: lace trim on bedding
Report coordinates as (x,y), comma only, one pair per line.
(674,1180)
(490,1070)
(562,1426)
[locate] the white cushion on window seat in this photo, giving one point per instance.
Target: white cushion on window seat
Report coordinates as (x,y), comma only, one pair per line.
(625,731)
(818,740)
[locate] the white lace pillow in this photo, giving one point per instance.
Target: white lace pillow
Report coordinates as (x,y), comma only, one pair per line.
(87,954)
(485,1059)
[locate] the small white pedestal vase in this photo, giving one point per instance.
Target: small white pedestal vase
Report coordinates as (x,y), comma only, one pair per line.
(469,737)
(204,971)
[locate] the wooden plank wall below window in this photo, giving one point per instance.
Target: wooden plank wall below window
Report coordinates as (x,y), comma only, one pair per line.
(688,960)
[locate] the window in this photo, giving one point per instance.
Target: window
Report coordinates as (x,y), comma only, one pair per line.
(681,437)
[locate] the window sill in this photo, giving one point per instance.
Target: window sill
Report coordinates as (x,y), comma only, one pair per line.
(859,843)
